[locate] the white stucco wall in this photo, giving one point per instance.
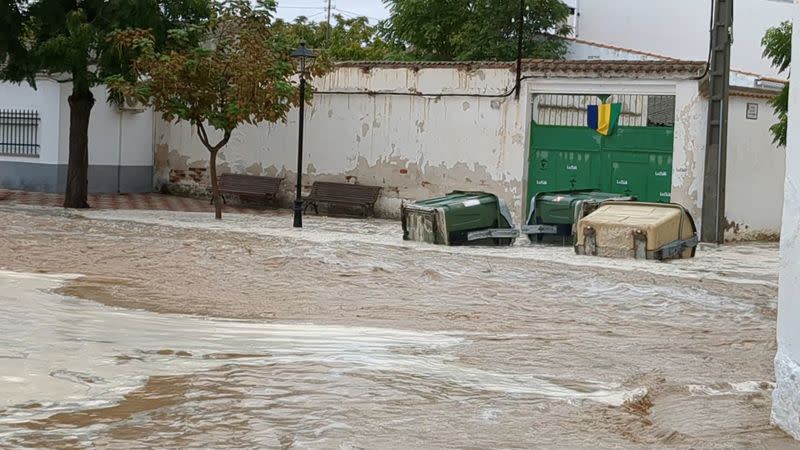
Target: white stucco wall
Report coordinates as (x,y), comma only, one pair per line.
(754,188)
(44,100)
(786,397)
(105,124)
(120,144)
(415,147)
(419,147)
(679,28)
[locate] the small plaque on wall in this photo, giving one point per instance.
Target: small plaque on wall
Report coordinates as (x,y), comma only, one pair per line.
(752,111)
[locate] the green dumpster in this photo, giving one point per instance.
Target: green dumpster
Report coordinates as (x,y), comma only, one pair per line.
(459,218)
(553,214)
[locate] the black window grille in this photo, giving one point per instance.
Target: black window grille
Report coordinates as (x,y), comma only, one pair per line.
(19,133)
(637,110)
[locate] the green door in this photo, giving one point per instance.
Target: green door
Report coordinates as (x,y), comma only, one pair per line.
(633,161)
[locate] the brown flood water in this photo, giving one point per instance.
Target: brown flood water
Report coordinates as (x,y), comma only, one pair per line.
(183,332)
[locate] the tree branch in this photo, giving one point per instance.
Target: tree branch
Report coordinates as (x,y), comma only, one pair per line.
(225,138)
(201,132)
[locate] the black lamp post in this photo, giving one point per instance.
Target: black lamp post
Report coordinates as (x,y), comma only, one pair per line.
(305,58)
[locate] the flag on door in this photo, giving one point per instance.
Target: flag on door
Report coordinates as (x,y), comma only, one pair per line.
(604,117)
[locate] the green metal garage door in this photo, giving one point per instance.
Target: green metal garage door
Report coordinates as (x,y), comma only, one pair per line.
(634,160)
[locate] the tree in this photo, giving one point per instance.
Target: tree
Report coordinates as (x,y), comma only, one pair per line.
(69,38)
(477,29)
(777,43)
(348,39)
(241,73)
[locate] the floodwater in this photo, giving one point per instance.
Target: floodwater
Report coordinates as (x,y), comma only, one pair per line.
(134,329)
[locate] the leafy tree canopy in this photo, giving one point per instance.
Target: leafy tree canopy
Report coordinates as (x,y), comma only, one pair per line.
(240,73)
(477,29)
(70,39)
(777,43)
(347,39)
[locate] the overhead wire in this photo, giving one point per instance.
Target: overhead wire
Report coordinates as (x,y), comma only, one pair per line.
(710,43)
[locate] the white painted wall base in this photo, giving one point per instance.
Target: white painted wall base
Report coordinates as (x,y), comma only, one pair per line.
(786,396)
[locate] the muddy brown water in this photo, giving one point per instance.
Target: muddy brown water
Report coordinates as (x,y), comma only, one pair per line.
(177,331)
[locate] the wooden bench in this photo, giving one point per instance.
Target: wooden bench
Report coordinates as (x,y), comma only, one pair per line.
(250,186)
(343,193)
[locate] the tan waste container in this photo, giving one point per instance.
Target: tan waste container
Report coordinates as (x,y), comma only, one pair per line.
(637,230)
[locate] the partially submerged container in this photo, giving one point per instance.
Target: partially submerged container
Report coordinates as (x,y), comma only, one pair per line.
(459,218)
(554,214)
(637,230)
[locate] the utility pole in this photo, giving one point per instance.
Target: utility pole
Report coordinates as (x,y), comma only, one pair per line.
(520,31)
(712,228)
(328,30)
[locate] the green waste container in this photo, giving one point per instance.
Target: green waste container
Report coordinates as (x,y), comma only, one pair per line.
(552,215)
(460,218)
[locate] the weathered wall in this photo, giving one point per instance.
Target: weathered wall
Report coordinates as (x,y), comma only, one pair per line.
(419,147)
(688,157)
(120,144)
(754,188)
(416,147)
(786,397)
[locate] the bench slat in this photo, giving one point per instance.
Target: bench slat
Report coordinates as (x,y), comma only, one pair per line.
(232,183)
(350,194)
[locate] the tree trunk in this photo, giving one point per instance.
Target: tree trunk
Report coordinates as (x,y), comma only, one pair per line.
(213,149)
(80,108)
(215,186)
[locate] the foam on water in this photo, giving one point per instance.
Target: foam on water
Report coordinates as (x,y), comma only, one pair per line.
(63,354)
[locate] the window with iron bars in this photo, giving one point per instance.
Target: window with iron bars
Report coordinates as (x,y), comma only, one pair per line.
(637,110)
(19,133)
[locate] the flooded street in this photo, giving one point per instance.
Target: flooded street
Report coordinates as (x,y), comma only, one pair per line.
(135,329)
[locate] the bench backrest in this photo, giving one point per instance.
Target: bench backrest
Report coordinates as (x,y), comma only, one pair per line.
(250,183)
(356,193)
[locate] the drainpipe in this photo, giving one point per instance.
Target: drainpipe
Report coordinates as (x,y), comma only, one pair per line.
(119,155)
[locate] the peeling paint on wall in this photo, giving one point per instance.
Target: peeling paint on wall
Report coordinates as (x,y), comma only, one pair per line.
(418,147)
(415,147)
(689,149)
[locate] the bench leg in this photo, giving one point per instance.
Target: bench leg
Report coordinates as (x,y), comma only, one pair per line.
(223,199)
(308,204)
(311,204)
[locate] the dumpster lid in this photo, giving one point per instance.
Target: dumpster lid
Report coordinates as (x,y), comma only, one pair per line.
(576,195)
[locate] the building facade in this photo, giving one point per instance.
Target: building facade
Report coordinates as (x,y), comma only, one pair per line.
(423,129)
(34,141)
(679,28)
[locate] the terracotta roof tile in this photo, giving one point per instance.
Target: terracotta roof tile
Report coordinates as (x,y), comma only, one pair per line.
(545,67)
(612,69)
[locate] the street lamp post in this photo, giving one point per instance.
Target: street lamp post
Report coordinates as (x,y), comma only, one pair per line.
(305,58)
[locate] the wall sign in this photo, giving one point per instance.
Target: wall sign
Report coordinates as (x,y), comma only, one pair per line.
(752,111)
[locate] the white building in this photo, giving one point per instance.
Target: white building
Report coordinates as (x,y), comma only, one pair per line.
(679,28)
(786,397)
(653,30)
(476,137)
(34,141)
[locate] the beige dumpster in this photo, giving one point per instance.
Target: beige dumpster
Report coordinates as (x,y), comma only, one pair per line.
(637,230)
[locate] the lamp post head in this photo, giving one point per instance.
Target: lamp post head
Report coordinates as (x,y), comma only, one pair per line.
(304,57)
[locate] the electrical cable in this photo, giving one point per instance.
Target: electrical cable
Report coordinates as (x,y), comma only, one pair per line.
(507,93)
(710,43)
